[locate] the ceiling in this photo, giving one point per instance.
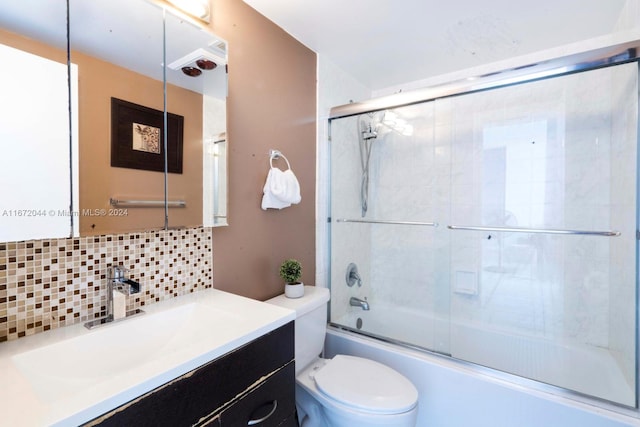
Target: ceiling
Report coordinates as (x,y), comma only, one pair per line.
(383,43)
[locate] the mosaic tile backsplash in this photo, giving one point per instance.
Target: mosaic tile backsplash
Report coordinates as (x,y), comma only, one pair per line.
(46,284)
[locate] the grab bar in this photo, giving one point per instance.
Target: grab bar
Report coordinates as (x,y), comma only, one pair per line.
(535,230)
(147,203)
(374,221)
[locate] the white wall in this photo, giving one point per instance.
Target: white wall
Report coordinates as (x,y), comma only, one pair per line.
(335,87)
(629,18)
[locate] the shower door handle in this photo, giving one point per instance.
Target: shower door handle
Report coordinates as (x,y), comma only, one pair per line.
(534,230)
(379,221)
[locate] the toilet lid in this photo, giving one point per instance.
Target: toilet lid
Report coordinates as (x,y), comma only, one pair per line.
(366,385)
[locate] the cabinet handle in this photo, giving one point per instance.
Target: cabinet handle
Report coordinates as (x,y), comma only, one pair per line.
(259,420)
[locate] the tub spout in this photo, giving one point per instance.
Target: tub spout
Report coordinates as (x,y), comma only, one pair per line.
(357,302)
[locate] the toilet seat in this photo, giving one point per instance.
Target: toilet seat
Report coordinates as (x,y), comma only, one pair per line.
(366,385)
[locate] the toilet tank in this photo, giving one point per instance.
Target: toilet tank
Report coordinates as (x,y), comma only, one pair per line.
(310,323)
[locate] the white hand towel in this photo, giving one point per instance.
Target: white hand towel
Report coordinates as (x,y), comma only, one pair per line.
(280,190)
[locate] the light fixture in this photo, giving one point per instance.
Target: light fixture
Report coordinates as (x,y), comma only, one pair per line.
(202,64)
(197,8)
(191,71)
(197,61)
(397,124)
(206,64)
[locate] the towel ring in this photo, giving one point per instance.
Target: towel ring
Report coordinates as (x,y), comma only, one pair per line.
(275,154)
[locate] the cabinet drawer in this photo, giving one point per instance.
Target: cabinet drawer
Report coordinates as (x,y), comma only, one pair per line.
(272,402)
(199,393)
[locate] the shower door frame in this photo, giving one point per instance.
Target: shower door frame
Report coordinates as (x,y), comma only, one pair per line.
(575,63)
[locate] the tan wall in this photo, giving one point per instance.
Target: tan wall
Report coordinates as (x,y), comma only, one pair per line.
(272,104)
(98,82)
(28,45)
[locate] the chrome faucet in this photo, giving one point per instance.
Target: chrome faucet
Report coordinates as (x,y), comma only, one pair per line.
(116,281)
(357,302)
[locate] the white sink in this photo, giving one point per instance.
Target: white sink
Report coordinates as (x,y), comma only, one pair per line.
(70,375)
(59,369)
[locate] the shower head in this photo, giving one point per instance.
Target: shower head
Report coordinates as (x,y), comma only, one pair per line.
(369,128)
(368,125)
(369,134)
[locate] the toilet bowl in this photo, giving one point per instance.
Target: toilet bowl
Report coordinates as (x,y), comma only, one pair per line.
(345,391)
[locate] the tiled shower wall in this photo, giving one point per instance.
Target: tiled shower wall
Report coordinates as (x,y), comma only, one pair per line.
(46,284)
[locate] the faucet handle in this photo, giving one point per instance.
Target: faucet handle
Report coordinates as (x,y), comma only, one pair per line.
(352,277)
(117,271)
(132,286)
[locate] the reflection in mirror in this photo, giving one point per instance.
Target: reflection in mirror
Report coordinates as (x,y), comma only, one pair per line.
(118,48)
(215,181)
(36,161)
(197,89)
(117,45)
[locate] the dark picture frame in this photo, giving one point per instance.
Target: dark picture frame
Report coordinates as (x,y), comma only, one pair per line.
(128,119)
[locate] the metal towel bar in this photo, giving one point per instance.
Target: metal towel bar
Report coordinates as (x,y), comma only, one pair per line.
(535,230)
(373,221)
(147,203)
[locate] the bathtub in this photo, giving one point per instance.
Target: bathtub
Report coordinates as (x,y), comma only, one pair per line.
(454,393)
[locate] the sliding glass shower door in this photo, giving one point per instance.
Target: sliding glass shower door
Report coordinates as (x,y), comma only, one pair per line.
(389,183)
(497,227)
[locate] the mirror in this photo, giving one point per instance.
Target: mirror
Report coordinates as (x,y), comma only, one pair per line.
(187,46)
(35,128)
(117,46)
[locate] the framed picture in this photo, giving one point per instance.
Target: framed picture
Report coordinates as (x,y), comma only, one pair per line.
(137,137)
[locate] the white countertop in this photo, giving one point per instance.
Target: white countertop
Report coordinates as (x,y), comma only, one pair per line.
(70,375)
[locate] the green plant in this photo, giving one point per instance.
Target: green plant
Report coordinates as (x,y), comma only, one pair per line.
(291,270)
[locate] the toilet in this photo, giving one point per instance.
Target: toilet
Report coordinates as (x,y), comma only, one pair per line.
(344,391)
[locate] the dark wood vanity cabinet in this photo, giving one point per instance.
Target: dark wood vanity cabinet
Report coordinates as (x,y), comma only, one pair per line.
(252,385)
(273,402)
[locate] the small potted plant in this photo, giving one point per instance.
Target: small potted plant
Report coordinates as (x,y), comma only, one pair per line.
(291,271)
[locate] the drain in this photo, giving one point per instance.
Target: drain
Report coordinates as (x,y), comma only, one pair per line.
(359,323)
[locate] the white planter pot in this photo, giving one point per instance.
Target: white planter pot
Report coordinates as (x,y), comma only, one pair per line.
(294,290)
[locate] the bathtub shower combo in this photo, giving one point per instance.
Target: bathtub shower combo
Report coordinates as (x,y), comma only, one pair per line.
(496,225)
